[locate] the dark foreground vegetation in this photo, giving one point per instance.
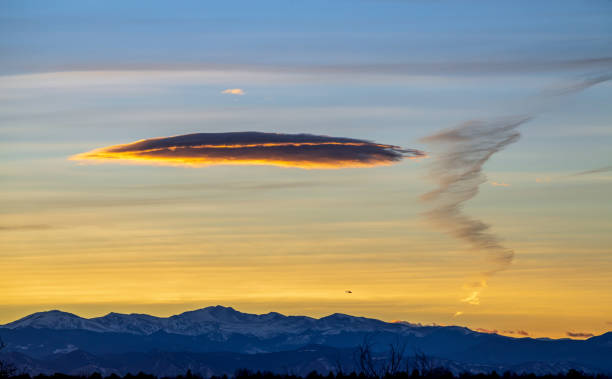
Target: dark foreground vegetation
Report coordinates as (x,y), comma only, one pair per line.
(436,373)
(361,362)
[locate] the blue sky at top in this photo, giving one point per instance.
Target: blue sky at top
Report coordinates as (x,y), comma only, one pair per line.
(63,34)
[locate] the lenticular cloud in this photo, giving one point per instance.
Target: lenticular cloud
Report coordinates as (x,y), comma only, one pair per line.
(253,148)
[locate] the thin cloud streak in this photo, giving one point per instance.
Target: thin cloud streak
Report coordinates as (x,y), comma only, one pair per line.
(482,67)
(304,151)
(580,85)
(489,331)
(237,186)
(152,77)
(595,171)
(519,332)
(579,334)
(7,228)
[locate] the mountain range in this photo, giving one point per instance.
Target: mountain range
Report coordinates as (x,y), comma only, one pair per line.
(218,340)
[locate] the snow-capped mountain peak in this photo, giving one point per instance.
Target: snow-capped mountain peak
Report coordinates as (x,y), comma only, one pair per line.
(216,320)
(217,313)
(55,319)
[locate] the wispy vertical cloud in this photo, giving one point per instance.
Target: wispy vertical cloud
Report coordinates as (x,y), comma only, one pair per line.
(459,155)
(457,169)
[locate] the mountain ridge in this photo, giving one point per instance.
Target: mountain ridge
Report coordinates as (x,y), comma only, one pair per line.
(225,333)
(145,324)
(199,321)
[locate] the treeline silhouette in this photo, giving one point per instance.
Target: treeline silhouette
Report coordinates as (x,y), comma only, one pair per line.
(395,365)
(436,373)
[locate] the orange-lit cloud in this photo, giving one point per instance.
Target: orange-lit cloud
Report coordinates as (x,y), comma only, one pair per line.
(475,289)
(579,334)
(519,332)
(490,331)
(500,184)
(253,148)
(233,91)
(457,314)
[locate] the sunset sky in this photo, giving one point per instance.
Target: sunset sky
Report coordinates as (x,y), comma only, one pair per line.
(295,222)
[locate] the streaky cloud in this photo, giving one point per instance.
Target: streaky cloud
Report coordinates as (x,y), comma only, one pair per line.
(412,67)
(579,334)
(25,227)
(595,171)
(488,331)
(304,151)
(580,85)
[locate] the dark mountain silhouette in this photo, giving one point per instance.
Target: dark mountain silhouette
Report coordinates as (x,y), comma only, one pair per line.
(218,340)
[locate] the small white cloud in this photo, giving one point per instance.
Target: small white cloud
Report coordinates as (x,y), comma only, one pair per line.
(233,91)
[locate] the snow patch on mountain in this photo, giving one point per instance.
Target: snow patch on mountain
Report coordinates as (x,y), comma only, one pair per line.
(56,320)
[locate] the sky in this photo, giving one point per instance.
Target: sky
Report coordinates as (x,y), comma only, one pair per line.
(502,222)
